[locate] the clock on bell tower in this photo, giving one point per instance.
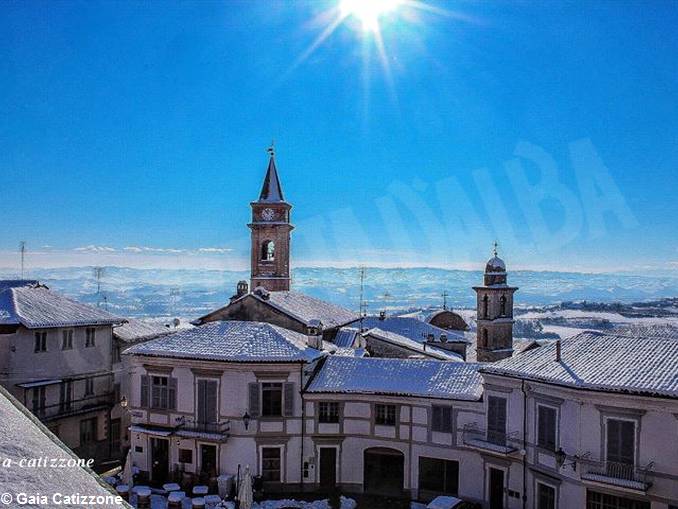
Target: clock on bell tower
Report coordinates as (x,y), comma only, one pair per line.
(270,227)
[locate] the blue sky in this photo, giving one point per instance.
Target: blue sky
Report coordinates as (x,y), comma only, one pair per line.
(134,133)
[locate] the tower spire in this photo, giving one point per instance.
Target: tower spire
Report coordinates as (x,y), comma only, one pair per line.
(271,191)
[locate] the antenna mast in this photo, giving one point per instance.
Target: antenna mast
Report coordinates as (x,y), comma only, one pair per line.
(22,248)
(98,274)
(445,295)
(363,304)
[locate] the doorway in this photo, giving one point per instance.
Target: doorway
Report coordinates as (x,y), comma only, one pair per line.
(208,459)
(328,468)
(159,459)
(384,472)
(496,488)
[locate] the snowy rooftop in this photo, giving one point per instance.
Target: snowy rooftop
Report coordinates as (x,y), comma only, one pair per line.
(231,341)
(22,436)
(410,327)
(135,330)
(306,308)
(408,377)
(415,346)
(598,361)
(35,306)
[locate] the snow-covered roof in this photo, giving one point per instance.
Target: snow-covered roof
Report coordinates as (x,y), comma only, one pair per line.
(231,341)
(406,377)
(411,327)
(306,308)
(599,361)
(23,436)
(36,306)
(416,347)
(135,330)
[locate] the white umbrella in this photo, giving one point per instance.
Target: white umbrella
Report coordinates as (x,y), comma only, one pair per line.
(245,495)
(127,473)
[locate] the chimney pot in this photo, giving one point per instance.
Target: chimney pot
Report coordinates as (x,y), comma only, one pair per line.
(558,357)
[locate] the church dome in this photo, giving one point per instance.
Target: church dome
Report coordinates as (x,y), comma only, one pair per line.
(495,264)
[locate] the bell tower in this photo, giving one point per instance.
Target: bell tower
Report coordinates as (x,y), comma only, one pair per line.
(494,320)
(270,227)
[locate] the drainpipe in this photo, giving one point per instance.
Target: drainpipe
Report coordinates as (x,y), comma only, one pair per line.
(522,388)
(303,425)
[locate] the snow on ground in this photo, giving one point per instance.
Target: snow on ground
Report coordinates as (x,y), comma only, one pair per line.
(160,502)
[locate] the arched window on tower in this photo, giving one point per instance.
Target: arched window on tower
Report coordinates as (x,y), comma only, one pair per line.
(486,307)
(502,305)
(268,251)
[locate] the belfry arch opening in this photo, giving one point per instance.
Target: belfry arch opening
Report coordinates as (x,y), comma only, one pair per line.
(268,251)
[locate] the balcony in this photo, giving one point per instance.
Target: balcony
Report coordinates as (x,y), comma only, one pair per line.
(48,413)
(621,475)
(490,441)
(190,428)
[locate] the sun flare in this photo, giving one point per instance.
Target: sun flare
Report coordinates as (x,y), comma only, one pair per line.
(368,12)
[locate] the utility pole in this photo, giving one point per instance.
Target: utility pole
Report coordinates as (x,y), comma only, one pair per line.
(22,248)
(98,274)
(363,304)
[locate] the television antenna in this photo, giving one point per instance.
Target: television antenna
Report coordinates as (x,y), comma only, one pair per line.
(22,249)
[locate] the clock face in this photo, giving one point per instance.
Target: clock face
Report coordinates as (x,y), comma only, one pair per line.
(268,214)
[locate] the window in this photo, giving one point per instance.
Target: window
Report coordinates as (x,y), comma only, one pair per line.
(621,440)
(185,456)
(40,342)
(116,354)
(485,345)
(486,307)
(116,427)
(89,386)
(439,476)
(270,464)
(546,496)
(268,251)
(65,396)
(547,422)
(385,415)
(502,306)
(441,419)
(595,500)
(88,431)
(496,420)
(328,411)
(90,336)
(207,401)
(67,339)
(160,392)
(38,400)
(271,399)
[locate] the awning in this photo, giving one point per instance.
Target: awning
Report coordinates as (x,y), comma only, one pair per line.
(40,383)
(148,430)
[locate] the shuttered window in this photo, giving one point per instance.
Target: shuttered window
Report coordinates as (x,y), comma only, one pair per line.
(254,399)
(621,441)
(40,342)
(546,427)
(158,392)
(496,420)
(289,399)
(271,399)
(328,411)
(207,401)
(441,419)
(143,397)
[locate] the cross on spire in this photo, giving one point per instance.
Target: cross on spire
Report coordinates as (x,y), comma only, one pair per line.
(496,245)
(271,149)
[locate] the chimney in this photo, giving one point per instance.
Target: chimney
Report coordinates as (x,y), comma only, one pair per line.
(262,292)
(314,332)
(443,338)
(242,288)
(430,337)
(557,350)
(382,315)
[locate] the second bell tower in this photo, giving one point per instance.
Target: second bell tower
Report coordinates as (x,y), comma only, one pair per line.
(270,227)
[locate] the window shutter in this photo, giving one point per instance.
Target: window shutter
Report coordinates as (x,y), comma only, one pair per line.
(447,424)
(289,399)
(435,418)
(172,396)
(254,399)
(202,410)
(211,401)
(144,391)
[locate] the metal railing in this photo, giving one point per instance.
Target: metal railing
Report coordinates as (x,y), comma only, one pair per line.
(72,407)
(220,428)
(475,436)
(618,471)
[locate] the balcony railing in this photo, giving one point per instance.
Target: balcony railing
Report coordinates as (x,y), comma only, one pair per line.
(624,475)
(48,413)
(191,427)
(490,440)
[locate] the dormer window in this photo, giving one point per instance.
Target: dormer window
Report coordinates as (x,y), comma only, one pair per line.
(268,251)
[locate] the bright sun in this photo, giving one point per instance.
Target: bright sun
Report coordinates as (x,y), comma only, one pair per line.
(368,12)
